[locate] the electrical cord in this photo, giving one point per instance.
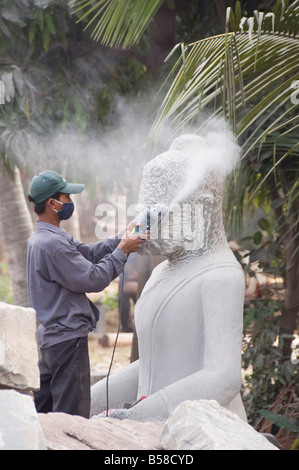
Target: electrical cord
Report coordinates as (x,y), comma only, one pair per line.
(121,289)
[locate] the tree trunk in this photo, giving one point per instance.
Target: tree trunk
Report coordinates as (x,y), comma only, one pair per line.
(291,300)
(161,35)
(221,10)
(15,227)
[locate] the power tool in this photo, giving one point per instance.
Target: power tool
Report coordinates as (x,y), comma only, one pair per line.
(143,223)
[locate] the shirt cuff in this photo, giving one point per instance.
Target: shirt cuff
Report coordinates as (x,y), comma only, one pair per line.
(120,254)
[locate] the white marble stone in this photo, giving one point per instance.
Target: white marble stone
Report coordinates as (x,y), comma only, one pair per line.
(205,425)
(19,425)
(18,348)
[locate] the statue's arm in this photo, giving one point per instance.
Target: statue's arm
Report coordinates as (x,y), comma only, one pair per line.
(220,378)
(122,388)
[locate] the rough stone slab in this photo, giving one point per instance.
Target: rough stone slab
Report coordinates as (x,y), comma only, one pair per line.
(205,425)
(19,425)
(18,348)
(66,432)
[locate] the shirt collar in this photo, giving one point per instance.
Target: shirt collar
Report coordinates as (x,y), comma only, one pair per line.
(52,228)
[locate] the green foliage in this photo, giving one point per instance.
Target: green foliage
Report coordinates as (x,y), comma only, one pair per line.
(264,249)
(267,370)
(37,21)
(56,81)
(245,75)
(280,421)
(284,423)
(110,300)
(27,29)
(295,444)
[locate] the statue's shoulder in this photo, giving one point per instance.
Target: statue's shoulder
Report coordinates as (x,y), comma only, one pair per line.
(156,276)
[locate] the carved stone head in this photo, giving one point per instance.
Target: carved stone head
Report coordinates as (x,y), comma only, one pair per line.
(183,187)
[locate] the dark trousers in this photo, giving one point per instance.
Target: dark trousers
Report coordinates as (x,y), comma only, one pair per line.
(64,379)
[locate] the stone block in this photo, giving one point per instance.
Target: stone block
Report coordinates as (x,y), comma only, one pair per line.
(19,425)
(18,348)
(66,432)
(205,425)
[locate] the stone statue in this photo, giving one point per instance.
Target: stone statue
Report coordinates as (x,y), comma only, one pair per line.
(189,317)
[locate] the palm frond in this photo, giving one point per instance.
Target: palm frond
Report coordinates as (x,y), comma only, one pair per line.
(245,75)
(116,22)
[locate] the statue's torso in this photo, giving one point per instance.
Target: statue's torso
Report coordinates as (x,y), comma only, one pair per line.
(170,320)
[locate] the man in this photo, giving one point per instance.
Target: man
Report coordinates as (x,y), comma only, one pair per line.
(60,270)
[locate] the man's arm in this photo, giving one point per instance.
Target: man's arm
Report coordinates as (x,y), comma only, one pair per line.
(76,273)
(94,252)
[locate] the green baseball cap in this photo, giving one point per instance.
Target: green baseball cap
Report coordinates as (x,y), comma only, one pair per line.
(47,183)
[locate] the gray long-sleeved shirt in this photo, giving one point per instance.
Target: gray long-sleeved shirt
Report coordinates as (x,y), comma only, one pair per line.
(60,271)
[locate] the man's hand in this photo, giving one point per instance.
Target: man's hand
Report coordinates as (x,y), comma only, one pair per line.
(131,243)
